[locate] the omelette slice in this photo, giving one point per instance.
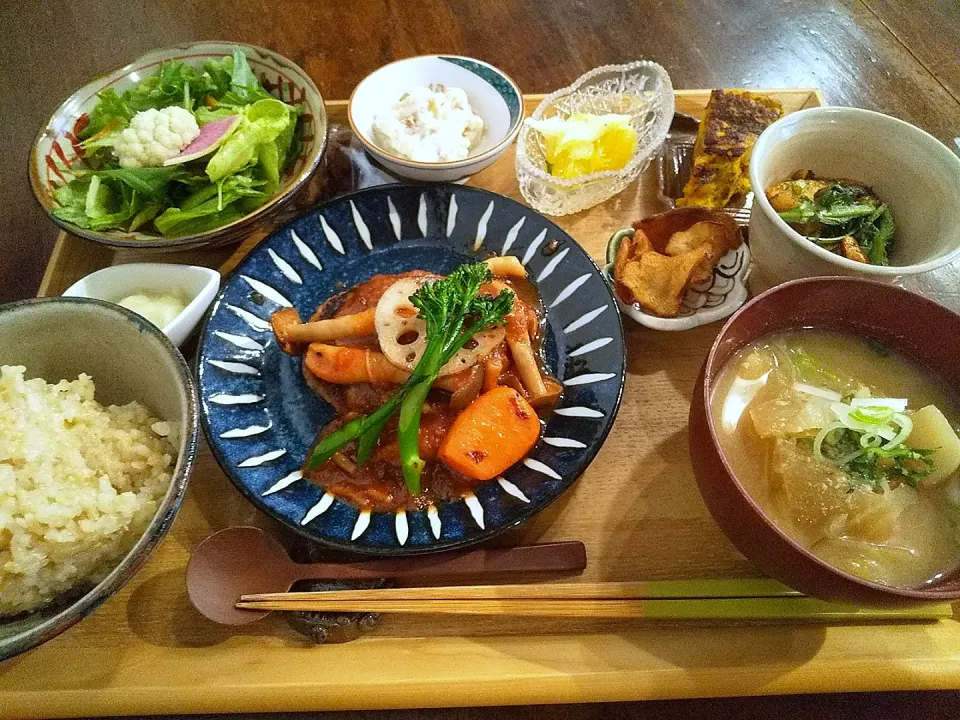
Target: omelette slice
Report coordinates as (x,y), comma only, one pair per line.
(733,121)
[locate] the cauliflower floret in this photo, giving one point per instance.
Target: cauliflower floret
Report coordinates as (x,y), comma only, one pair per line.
(155,136)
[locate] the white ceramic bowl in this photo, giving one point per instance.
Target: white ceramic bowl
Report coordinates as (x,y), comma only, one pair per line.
(199,285)
(493,96)
(910,170)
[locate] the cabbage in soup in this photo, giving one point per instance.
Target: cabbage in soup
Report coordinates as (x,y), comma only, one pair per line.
(850,448)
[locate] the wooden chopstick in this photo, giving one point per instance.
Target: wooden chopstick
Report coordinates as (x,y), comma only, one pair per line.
(656,589)
(757,599)
(742,609)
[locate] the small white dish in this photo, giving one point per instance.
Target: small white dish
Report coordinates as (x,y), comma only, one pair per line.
(707,302)
(493,96)
(910,170)
(198,285)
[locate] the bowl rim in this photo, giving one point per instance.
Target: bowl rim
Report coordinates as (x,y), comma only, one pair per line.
(284,194)
(450,164)
(134,559)
(765,144)
(930,594)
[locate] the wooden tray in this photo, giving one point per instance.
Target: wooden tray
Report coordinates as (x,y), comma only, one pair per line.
(637,509)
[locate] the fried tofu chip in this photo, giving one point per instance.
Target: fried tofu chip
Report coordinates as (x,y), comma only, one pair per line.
(718,237)
(668,253)
(658,282)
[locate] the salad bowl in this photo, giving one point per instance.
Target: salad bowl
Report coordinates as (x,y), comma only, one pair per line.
(57,154)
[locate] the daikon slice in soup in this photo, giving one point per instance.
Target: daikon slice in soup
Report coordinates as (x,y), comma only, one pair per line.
(850,448)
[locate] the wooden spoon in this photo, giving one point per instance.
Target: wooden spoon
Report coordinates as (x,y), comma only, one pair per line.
(246,560)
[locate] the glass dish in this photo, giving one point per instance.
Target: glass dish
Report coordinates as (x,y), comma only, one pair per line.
(640,89)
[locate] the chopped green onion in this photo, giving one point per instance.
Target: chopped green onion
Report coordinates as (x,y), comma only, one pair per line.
(817,391)
(895,404)
(906,427)
(872,415)
(821,436)
(870,440)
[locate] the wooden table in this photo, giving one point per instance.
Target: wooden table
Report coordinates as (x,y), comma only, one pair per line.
(873,54)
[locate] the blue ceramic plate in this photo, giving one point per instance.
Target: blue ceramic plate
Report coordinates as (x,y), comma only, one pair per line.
(260,418)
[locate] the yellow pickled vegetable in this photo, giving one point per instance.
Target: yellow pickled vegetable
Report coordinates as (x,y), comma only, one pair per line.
(583,144)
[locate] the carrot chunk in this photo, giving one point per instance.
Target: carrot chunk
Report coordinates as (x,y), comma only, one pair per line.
(494,432)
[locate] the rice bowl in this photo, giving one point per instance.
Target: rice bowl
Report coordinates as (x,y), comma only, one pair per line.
(129,359)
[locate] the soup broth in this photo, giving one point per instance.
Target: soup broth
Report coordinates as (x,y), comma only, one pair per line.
(850,448)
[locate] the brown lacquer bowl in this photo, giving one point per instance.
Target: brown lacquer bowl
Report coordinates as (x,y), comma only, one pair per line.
(920,328)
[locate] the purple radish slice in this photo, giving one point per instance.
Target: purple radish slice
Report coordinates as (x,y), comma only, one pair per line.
(210,138)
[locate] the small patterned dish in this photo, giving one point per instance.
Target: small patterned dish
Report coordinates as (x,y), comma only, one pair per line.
(56,151)
(704,303)
(641,89)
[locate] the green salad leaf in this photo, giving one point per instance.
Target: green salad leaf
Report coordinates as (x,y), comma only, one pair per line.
(152,183)
(244,86)
(262,123)
(212,206)
(111,113)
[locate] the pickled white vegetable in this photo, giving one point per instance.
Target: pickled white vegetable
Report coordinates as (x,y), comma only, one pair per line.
(161,310)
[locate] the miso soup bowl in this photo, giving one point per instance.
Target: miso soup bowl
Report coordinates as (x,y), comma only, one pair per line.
(918,327)
(915,174)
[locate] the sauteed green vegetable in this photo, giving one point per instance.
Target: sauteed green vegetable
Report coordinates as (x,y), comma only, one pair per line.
(842,216)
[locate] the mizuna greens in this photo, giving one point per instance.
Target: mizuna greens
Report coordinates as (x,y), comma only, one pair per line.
(214,189)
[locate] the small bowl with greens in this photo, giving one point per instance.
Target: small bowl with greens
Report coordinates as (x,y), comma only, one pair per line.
(187,146)
(844,191)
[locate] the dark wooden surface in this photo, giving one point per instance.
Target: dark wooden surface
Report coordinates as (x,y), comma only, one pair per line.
(889,706)
(898,57)
(902,58)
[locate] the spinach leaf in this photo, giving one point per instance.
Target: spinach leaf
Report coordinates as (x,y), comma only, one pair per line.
(150,182)
(845,210)
(212,206)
